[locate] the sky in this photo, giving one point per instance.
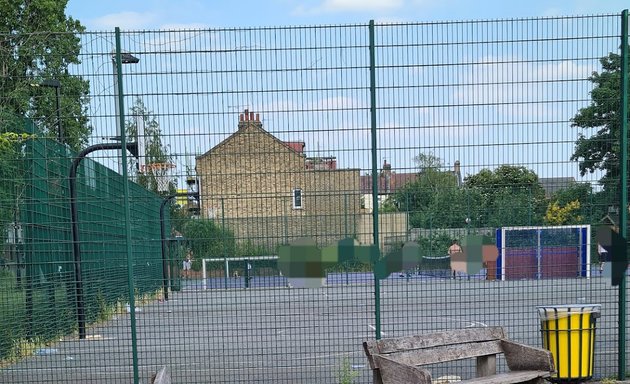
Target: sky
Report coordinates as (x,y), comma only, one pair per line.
(545,152)
(178,14)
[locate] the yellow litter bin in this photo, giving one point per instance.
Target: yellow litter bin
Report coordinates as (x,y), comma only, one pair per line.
(568,332)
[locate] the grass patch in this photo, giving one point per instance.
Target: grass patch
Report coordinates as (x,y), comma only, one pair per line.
(30,322)
(346,374)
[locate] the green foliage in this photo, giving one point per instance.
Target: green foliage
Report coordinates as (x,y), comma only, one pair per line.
(593,205)
(247,248)
(435,245)
(509,195)
(39,42)
(13,134)
(346,374)
(434,198)
(155,150)
(597,149)
(563,215)
(208,240)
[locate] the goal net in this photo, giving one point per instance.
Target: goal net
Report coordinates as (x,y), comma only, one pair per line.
(242,272)
(543,252)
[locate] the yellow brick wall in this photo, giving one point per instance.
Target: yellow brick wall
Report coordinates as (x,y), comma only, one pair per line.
(249,179)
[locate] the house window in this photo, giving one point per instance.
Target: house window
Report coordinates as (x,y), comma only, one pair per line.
(297,198)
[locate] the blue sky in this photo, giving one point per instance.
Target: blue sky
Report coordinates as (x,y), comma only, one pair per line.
(462,113)
(177,14)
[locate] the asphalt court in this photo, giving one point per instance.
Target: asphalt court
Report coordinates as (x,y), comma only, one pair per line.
(279,334)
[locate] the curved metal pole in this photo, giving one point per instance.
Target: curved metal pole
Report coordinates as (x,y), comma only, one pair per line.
(168,198)
(74,221)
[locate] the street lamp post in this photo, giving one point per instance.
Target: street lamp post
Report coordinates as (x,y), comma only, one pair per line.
(125,58)
(54,83)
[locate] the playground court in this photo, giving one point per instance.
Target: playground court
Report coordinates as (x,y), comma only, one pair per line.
(301,335)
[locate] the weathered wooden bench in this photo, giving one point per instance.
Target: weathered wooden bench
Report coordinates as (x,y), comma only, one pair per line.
(399,360)
(161,377)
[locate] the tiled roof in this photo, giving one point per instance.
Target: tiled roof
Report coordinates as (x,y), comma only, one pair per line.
(552,185)
(397,180)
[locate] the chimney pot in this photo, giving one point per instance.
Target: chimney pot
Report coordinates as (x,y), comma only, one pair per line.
(258,117)
(251,116)
(242,118)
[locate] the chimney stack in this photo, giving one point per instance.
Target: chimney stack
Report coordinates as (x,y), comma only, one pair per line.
(458,172)
(386,173)
(246,118)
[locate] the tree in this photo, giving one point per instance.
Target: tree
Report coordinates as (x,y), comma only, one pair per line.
(434,199)
(600,149)
(509,195)
(593,205)
(38,41)
(209,240)
(155,151)
(563,215)
(12,137)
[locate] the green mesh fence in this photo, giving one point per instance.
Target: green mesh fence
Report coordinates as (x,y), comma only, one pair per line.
(313,182)
(41,293)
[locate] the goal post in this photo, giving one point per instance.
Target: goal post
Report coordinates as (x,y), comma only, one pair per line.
(230,265)
(544,252)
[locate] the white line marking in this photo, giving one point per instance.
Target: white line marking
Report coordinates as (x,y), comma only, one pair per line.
(374,329)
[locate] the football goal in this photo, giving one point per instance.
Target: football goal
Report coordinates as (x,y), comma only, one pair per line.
(241,272)
(543,252)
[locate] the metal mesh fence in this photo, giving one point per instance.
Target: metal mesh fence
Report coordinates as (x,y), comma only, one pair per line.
(40,280)
(505,131)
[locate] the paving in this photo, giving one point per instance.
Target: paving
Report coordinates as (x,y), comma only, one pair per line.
(285,335)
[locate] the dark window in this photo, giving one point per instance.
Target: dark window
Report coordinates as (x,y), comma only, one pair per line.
(297,198)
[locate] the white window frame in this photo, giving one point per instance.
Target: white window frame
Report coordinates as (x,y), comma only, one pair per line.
(294,198)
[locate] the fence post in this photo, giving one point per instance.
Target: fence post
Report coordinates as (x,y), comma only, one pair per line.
(377,283)
(623,203)
(127,214)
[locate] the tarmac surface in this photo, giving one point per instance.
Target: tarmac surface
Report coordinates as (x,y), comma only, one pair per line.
(289,335)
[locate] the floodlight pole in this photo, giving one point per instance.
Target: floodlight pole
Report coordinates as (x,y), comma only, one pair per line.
(54,83)
(168,198)
(125,58)
(74,221)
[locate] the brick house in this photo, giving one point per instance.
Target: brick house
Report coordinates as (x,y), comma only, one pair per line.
(269,192)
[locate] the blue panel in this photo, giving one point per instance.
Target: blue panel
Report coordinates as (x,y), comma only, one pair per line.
(499,259)
(583,249)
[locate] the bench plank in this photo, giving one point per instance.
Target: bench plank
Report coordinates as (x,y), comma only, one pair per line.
(399,360)
(446,353)
(510,378)
(395,372)
(521,357)
(486,365)
(456,336)
(161,377)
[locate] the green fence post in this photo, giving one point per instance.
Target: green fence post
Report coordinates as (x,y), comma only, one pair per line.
(377,283)
(225,262)
(127,215)
(623,203)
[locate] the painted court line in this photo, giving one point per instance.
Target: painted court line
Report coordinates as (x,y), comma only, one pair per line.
(374,329)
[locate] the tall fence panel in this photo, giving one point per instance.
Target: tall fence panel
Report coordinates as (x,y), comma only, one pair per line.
(479,108)
(311,143)
(40,284)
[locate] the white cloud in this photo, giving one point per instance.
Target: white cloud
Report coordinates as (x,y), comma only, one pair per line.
(360,5)
(550,12)
(126,20)
(183,26)
(336,6)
